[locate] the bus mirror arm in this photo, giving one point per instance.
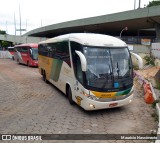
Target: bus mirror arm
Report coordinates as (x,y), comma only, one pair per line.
(140,61)
(83,61)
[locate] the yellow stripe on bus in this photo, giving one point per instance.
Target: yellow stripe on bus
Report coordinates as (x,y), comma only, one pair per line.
(104,94)
(45,63)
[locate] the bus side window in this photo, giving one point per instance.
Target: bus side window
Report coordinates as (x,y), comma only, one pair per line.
(42,50)
(62,52)
(18,49)
(51,50)
(15,49)
(24,49)
(76,61)
(29,50)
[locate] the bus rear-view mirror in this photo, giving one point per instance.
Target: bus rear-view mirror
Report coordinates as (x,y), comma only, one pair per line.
(83,61)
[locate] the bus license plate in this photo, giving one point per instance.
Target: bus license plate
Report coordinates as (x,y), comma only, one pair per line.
(113,104)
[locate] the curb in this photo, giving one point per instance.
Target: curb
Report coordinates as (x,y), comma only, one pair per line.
(142,81)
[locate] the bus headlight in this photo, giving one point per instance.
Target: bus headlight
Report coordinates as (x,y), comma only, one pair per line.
(85,94)
(92,97)
(91,106)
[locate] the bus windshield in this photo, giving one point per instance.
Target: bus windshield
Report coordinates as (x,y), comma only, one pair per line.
(108,68)
(34,53)
(11,49)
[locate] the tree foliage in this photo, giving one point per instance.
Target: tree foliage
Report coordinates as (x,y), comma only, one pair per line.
(2,32)
(153,3)
(5,44)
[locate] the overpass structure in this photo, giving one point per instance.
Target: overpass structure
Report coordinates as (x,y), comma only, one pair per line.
(141,23)
(144,22)
(21,39)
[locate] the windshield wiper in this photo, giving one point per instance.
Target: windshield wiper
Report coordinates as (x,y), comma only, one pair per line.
(111,73)
(118,69)
(110,70)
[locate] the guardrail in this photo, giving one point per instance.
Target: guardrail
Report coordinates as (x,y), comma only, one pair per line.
(144,81)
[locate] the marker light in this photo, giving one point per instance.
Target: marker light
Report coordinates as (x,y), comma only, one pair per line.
(91,106)
(85,94)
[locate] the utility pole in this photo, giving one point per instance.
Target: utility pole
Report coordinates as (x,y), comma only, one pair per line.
(20,19)
(26,24)
(134,4)
(139,4)
(41,23)
(15,23)
(6,28)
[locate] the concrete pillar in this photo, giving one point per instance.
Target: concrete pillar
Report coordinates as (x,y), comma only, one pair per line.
(157,27)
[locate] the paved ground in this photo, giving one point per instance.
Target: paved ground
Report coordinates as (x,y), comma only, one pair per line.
(28,105)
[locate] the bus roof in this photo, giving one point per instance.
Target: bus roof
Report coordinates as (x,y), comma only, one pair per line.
(10,47)
(33,45)
(89,39)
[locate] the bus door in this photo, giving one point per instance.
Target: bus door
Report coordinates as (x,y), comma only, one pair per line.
(24,53)
(78,83)
(29,55)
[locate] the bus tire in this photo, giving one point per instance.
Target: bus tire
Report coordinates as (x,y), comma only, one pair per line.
(69,94)
(28,63)
(44,77)
(18,61)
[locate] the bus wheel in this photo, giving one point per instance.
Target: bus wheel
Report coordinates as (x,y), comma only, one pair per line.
(18,61)
(28,63)
(44,77)
(69,94)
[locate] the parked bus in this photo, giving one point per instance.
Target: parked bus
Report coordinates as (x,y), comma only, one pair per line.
(26,54)
(93,70)
(11,52)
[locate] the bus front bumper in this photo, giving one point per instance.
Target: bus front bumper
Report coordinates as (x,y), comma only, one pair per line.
(89,104)
(34,63)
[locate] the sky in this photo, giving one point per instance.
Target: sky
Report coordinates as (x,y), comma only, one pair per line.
(38,13)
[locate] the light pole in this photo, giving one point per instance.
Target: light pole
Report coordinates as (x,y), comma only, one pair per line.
(41,23)
(15,22)
(26,24)
(20,18)
(139,3)
(6,28)
(126,28)
(134,4)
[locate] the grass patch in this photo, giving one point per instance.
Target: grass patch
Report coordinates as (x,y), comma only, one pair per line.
(149,60)
(157,85)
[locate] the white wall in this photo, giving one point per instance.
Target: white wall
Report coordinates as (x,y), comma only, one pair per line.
(155,50)
(4,54)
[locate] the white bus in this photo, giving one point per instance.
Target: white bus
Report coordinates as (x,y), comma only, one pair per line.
(93,70)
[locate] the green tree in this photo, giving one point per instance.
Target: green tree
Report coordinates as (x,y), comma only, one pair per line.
(4,44)
(153,3)
(2,32)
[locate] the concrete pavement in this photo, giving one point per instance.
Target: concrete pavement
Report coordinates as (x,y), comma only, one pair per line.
(30,106)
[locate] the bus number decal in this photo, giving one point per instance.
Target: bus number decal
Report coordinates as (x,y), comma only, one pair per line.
(79,99)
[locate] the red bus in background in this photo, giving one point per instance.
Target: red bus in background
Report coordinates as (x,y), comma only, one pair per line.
(26,54)
(11,52)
